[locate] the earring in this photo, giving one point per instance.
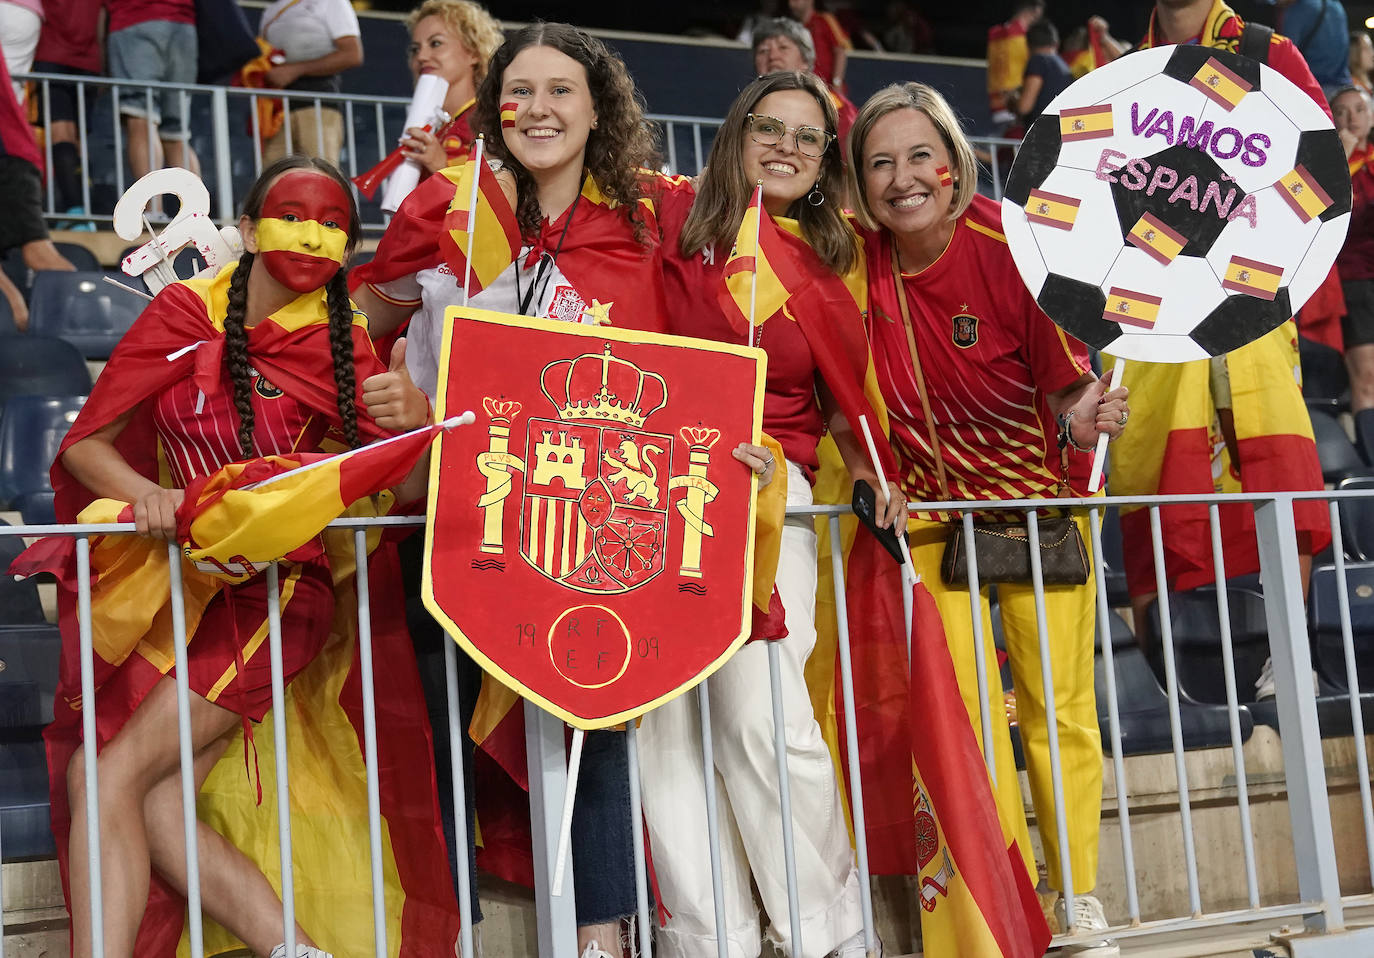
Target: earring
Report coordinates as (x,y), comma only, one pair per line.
(816,197)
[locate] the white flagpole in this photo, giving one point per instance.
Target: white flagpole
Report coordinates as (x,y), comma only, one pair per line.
(754,273)
(477,161)
(1100,454)
(565,825)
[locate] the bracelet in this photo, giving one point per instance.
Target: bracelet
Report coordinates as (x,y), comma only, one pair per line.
(1066,434)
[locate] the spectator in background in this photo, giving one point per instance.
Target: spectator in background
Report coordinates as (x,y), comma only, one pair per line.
(21,192)
(1007,56)
(906,31)
(1355,262)
(70,44)
(1089,47)
(455,40)
(828,39)
(20,23)
(154,40)
(1361,61)
(781,44)
(1320,30)
(1046,73)
(318,39)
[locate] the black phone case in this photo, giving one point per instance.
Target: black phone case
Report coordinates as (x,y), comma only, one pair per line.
(866,508)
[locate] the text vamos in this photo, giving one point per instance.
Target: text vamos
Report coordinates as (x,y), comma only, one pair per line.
(1223,143)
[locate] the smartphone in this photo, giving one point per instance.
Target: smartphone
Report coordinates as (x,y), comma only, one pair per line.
(866,508)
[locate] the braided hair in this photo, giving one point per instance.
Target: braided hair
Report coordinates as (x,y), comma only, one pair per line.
(336,293)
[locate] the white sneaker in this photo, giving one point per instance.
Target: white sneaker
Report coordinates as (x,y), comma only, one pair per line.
(1089,922)
(1264,685)
(302,951)
(853,947)
(593,950)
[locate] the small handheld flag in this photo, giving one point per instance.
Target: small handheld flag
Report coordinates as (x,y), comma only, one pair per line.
(481,236)
(760,275)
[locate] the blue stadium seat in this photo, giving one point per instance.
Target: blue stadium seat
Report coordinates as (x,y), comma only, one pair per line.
(1325,382)
(1197,641)
(1143,705)
(37,508)
(1337,454)
(28,683)
(19,602)
(41,366)
(1357,519)
(31,431)
(1323,606)
(82,309)
(1114,556)
(18,272)
(79,256)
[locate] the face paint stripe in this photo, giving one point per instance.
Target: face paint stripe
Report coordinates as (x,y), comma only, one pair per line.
(508,114)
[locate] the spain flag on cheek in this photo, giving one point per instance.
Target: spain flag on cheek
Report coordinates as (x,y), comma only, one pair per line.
(310,237)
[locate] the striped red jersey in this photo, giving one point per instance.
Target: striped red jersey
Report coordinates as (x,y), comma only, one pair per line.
(989,355)
(199,433)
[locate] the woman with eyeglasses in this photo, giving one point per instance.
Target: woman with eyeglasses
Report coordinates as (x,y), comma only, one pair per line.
(780,132)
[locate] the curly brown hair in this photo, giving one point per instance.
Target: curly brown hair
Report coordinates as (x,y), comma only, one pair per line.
(619,145)
(469,22)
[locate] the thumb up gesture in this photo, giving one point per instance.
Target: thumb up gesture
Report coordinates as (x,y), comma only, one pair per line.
(392,399)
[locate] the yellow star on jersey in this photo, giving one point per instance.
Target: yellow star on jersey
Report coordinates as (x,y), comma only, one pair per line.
(599,313)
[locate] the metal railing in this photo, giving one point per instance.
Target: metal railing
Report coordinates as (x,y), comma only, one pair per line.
(225,131)
(1320,902)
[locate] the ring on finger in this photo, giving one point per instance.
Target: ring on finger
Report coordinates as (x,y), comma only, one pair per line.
(1125,414)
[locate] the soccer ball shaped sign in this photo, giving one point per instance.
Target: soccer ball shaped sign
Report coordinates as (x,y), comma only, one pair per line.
(1177,203)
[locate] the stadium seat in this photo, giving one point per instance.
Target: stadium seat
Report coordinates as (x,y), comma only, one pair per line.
(79,256)
(31,431)
(1114,556)
(1323,605)
(19,273)
(1143,705)
(28,682)
(41,366)
(1325,382)
(25,818)
(1357,519)
(19,602)
(82,309)
(1338,456)
(1197,641)
(1364,434)
(37,508)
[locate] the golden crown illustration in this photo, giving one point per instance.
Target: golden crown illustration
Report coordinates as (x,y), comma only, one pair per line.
(604,388)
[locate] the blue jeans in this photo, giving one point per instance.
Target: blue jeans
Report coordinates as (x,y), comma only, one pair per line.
(602,840)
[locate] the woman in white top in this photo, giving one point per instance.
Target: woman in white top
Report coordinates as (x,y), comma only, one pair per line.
(319,39)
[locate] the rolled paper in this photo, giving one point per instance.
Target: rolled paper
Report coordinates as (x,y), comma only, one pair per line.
(425,102)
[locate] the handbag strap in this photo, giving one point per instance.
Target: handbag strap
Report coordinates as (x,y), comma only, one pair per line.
(920,376)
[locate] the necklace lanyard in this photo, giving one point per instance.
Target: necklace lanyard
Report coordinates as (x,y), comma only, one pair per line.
(544,272)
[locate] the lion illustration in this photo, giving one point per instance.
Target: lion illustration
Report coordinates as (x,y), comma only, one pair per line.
(641,478)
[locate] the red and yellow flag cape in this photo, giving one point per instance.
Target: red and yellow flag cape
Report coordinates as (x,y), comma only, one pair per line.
(133,642)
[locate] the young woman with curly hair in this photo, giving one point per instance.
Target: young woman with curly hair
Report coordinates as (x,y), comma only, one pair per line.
(454,40)
(561,116)
(266,357)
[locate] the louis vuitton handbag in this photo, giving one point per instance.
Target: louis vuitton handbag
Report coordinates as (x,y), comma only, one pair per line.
(1003,547)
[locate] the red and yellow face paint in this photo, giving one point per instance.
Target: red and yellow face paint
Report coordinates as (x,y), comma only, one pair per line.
(302,232)
(508,115)
(946,178)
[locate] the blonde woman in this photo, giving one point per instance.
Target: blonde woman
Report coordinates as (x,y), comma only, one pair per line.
(1007,391)
(454,40)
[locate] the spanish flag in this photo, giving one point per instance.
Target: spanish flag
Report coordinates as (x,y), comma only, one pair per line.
(1220,85)
(247,514)
(1131,308)
(1157,239)
(1252,277)
(491,224)
(946,177)
(1303,194)
(761,273)
(1085,123)
(1052,209)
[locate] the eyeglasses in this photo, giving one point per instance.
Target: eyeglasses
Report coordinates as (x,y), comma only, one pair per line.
(769,131)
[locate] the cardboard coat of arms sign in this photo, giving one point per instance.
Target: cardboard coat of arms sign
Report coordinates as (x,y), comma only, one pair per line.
(591,540)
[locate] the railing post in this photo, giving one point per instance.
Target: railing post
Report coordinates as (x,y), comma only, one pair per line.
(548,774)
(1309,812)
(224,178)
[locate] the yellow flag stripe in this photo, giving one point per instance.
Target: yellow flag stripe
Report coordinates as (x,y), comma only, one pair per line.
(1303,193)
(1052,209)
(1157,239)
(1252,277)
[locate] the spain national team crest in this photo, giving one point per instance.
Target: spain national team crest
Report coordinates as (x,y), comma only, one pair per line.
(591,541)
(965,332)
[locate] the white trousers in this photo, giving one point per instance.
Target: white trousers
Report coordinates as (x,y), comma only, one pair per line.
(746,775)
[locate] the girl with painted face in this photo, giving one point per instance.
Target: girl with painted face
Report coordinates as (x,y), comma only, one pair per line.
(780,133)
(263,358)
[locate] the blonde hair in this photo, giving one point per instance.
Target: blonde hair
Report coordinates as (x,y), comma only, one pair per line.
(470,23)
(924,99)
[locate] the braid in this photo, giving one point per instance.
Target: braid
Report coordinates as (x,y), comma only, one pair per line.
(236,352)
(341,345)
